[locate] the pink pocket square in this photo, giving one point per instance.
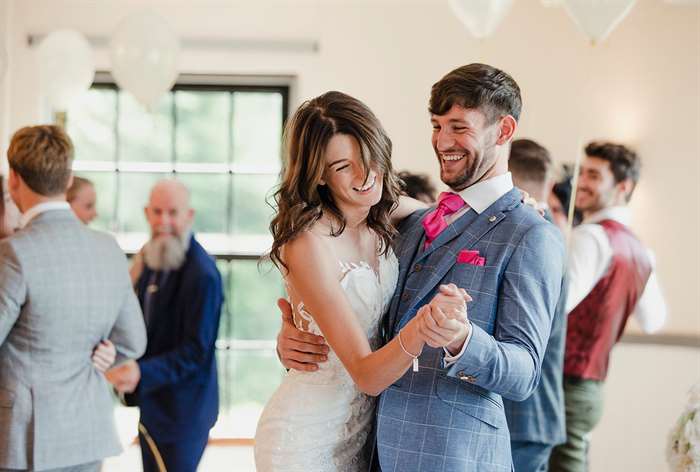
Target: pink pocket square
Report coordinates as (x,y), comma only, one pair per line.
(466,256)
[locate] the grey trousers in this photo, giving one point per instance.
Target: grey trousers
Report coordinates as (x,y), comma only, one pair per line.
(88,467)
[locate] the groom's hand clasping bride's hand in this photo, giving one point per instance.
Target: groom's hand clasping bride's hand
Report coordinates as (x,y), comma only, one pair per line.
(296,349)
(444,320)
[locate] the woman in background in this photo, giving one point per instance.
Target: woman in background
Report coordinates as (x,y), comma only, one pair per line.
(82,198)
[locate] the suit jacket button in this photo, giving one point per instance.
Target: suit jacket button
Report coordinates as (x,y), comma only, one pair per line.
(417,268)
(405,297)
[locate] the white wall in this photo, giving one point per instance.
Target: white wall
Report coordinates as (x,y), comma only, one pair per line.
(641,87)
(645,392)
(5,14)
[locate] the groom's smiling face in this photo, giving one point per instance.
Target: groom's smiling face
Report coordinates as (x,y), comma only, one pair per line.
(464,143)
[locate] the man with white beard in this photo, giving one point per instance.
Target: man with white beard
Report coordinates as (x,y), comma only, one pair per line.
(180,291)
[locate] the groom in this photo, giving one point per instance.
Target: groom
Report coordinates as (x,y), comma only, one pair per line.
(449,415)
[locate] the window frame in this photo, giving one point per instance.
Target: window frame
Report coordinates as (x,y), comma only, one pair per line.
(131,241)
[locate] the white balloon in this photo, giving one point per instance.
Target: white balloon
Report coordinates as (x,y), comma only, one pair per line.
(66,67)
(144,53)
(597,18)
(481,17)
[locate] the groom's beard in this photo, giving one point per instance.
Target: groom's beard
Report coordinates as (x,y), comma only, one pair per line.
(166,251)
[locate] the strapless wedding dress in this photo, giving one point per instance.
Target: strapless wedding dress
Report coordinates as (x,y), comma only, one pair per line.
(319,421)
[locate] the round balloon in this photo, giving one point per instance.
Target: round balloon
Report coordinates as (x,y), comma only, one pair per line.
(144,53)
(598,18)
(480,17)
(66,67)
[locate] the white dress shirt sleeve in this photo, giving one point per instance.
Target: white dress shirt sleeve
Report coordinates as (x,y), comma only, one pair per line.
(650,311)
(589,257)
(449,358)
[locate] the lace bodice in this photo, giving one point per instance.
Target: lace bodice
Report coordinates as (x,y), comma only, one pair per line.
(369,294)
(319,420)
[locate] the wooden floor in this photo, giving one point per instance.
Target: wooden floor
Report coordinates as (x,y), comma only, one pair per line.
(217,458)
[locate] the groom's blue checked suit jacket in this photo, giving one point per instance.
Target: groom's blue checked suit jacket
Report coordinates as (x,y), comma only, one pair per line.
(451,418)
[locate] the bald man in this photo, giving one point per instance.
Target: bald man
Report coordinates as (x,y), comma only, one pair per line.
(180,291)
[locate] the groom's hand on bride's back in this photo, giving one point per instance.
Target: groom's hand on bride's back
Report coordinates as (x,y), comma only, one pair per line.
(296,349)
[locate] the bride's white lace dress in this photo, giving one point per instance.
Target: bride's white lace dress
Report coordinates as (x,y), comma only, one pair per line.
(319,421)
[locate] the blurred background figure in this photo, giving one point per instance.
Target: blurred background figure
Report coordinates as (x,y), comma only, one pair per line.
(418,186)
(3,230)
(58,300)
(560,200)
(611,277)
(9,214)
(175,384)
(532,169)
(537,424)
(82,199)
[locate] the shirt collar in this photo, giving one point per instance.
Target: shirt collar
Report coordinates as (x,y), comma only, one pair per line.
(621,214)
(483,194)
(36,210)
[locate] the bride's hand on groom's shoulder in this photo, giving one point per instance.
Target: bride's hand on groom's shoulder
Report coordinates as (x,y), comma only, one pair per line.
(296,349)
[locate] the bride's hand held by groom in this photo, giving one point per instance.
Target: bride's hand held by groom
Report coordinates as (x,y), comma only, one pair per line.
(444,322)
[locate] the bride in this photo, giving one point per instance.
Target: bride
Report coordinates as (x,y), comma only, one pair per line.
(332,242)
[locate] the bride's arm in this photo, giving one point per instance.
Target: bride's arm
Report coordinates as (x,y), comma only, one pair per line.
(314,276)
(407,205)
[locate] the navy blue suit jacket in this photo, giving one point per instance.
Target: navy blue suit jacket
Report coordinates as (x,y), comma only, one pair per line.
(178,392)
(541,418)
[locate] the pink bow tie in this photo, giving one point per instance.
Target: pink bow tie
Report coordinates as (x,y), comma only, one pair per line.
(434,223)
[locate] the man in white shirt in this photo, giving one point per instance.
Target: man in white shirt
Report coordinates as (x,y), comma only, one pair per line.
(611,277)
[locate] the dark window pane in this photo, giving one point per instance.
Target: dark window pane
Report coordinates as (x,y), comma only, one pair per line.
(226,322)
(90,124)
(202,126)
(144,136)
(251,213)
(257,131)
(254,292)
(134,190)
(209,197)
(106,187)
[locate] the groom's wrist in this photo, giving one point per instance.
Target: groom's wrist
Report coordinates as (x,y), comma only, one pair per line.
(457,346)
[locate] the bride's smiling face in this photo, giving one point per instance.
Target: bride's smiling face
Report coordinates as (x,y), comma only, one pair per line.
(344,174)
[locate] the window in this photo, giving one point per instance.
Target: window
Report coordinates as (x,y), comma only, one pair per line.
(223,142)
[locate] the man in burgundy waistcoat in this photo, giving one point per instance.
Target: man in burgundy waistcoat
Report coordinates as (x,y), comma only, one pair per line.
(611,277)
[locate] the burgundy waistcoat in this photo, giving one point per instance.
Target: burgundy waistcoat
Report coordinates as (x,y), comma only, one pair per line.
(597,323)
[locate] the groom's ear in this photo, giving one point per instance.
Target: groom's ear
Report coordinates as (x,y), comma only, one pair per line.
(506,127)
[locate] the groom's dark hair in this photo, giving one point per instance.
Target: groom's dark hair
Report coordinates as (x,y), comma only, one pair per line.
(624,162)
(477,86)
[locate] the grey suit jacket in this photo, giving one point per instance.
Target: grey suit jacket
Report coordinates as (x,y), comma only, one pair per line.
(63,288)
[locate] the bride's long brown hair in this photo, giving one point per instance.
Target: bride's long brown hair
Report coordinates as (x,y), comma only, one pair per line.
(300,199)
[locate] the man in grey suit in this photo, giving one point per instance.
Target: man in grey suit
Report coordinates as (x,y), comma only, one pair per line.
(63,289)
(449,415)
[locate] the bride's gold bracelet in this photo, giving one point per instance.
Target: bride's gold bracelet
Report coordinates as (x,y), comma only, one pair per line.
(415,357)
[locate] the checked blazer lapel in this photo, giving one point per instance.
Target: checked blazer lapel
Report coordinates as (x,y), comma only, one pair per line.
(461,234)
